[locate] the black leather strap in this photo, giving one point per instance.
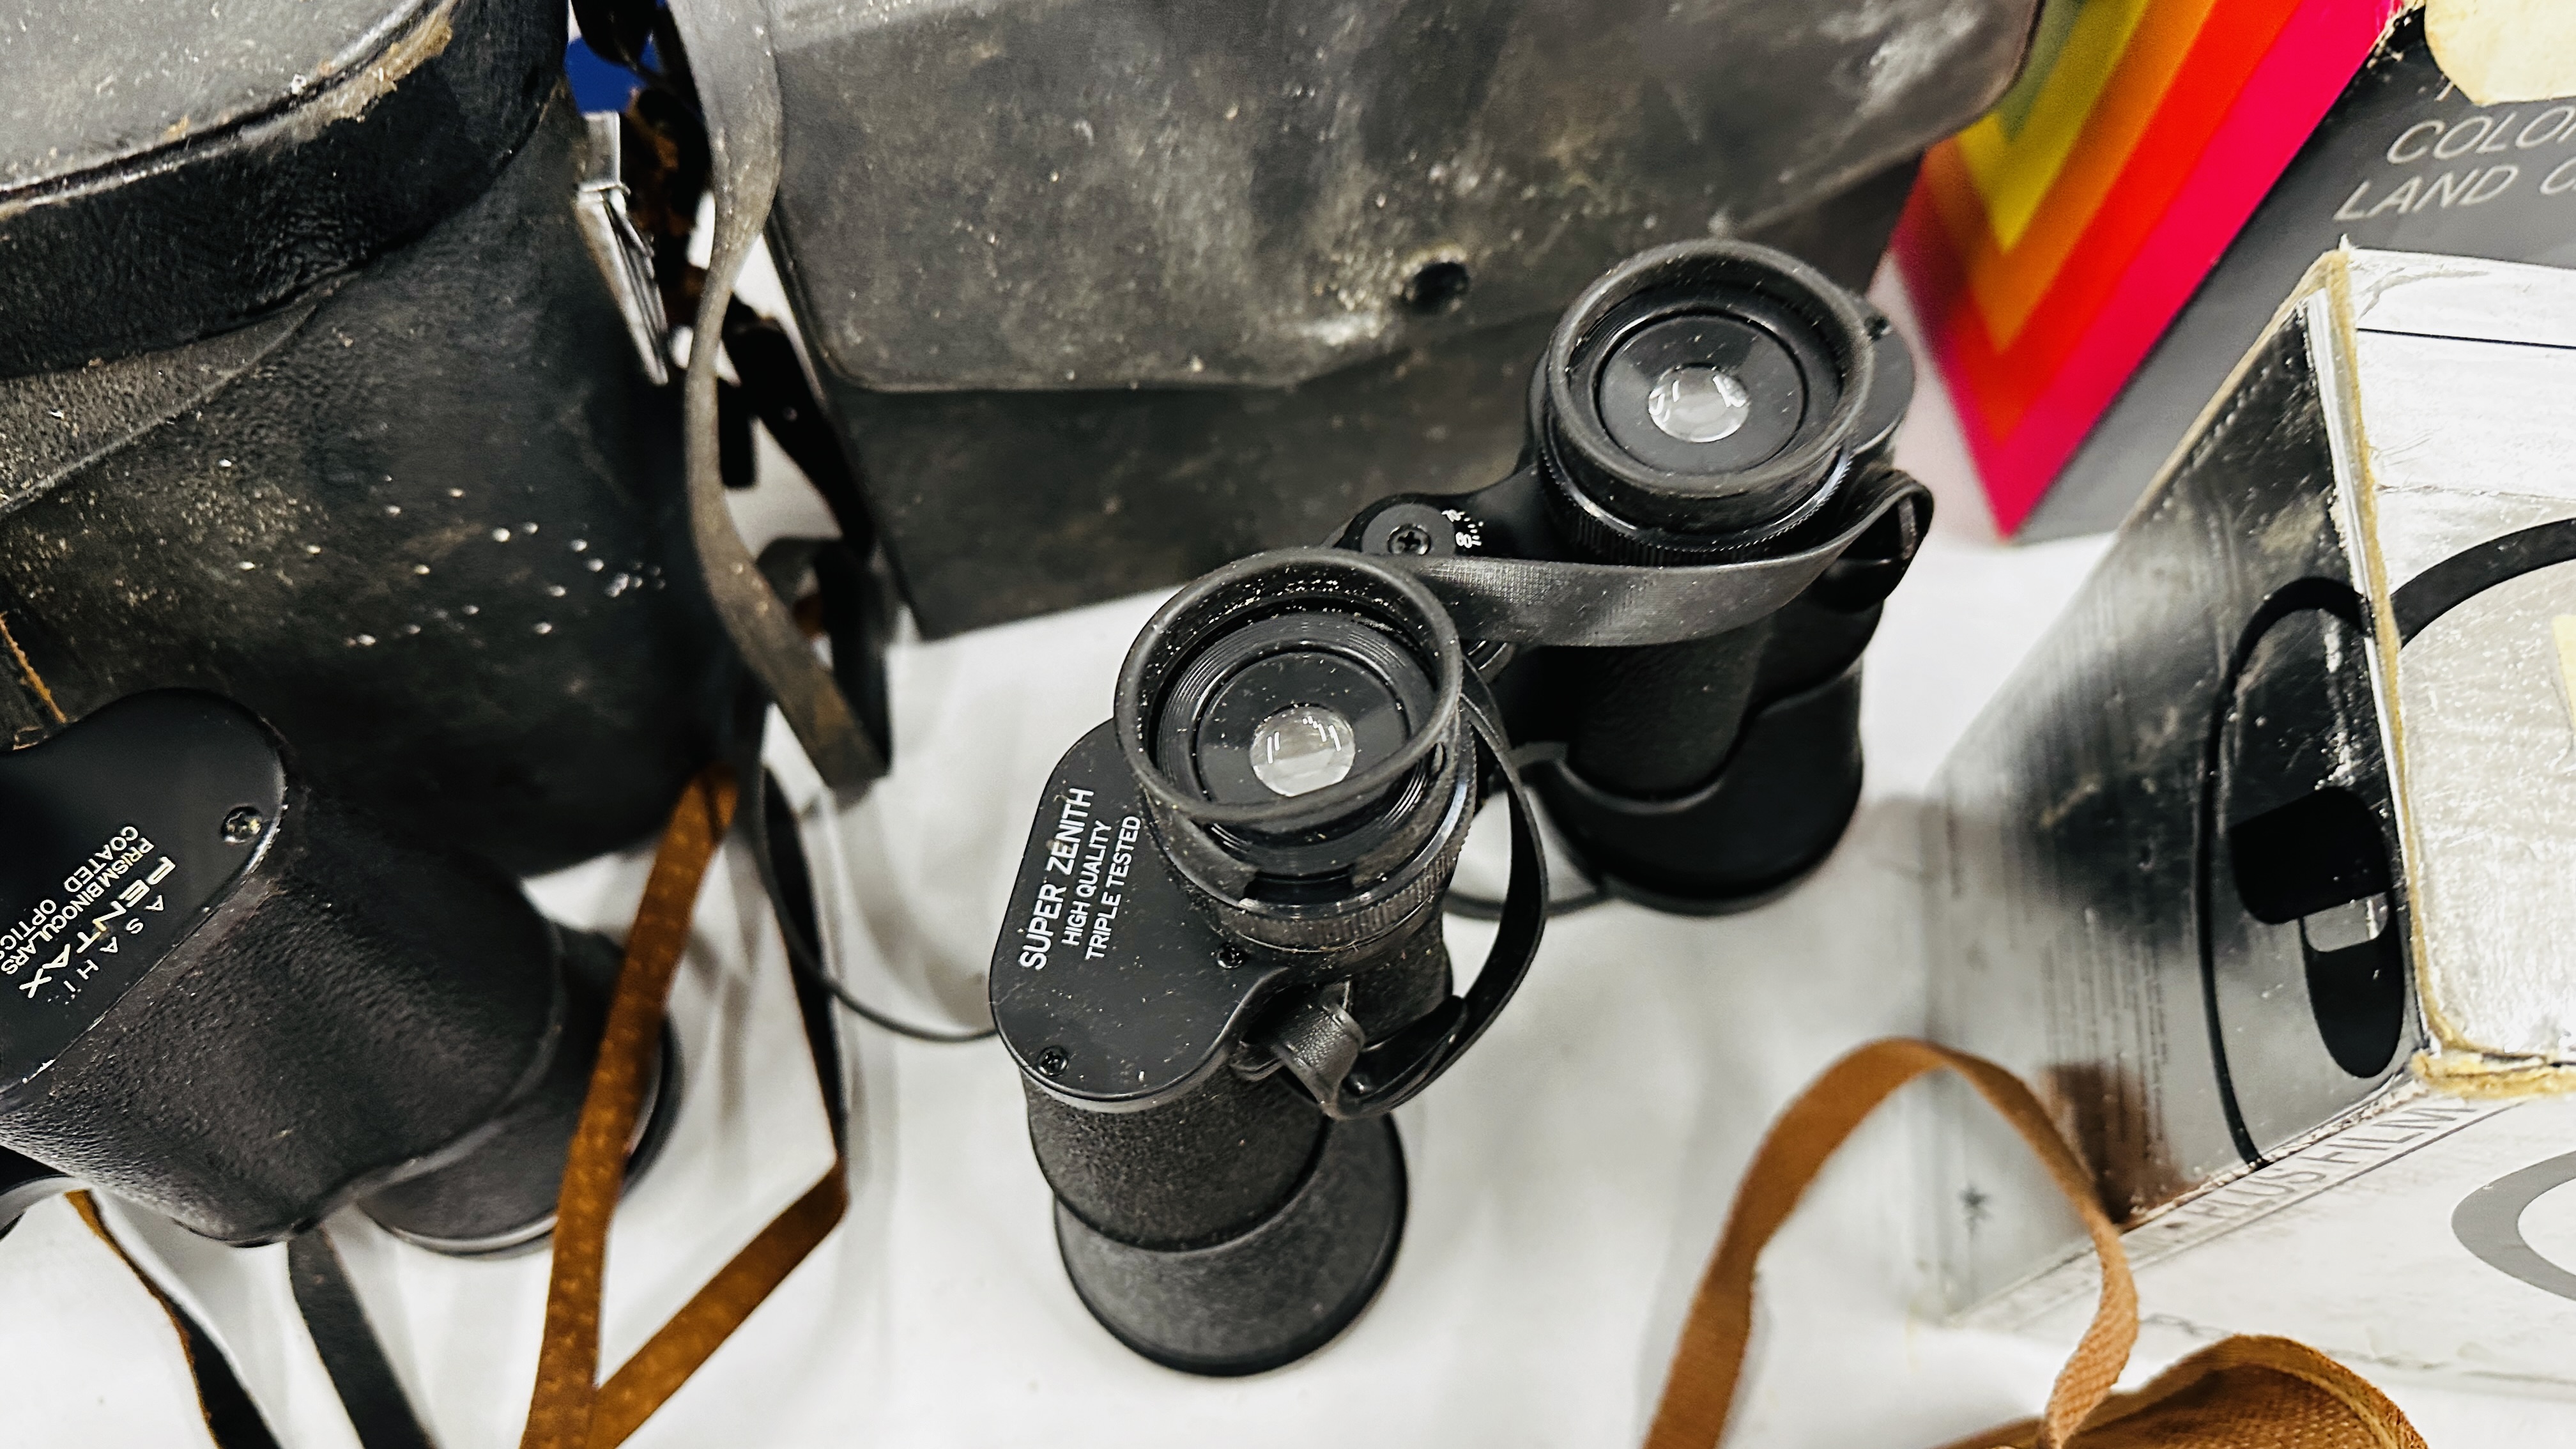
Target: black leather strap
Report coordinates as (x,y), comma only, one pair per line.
(789,883)
(778,392)
(857,607)
(1392,1072)
(1601,605)
(232,1419)
(377,1406)
(737,86)
(790,888)
(617,30)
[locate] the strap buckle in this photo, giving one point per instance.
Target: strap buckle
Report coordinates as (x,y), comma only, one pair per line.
(625,260)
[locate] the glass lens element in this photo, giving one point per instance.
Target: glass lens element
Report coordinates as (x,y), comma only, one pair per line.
(1698,404)
(1303,747)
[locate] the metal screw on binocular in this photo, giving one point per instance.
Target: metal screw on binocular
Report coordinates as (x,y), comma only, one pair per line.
(242,1005)
(1224,962)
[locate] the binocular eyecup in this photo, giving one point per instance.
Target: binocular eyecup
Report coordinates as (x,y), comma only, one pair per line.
(1699,399)
(1296,727)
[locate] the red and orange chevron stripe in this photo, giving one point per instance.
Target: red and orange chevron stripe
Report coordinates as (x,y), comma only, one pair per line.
(2047,246)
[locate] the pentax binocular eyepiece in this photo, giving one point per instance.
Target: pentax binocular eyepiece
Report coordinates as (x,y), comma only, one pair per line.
(1699,397)
(1295,726)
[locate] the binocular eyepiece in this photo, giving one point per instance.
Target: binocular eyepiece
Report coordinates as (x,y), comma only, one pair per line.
(1296,727)
(1701,398)
(1226,962)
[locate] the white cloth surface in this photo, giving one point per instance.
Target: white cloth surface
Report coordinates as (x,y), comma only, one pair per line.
(1568,1178)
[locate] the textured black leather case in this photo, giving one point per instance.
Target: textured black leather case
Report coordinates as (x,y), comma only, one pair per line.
(318,401)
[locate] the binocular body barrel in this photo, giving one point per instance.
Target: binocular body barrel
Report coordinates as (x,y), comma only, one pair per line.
(1714,774)
(1658,719)
(1236,1228)
(1201,1169)
(229,999)
(1218,1160)
(1708,775)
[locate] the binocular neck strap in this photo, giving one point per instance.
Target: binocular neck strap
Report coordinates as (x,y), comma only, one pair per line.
(1379,1077)
(737,83)
(347,1345)
(571,1409)
(1699,1391)
(2235,1394)
(232,1419)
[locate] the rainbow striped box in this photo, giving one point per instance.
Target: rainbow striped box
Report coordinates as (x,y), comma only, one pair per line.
(2091,258)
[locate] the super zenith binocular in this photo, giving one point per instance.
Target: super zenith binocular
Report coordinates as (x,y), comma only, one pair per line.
(1224,963)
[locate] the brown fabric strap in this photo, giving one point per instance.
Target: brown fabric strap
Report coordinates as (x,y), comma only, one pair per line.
(665,1362)
(2253,1391)
(87,1206)
(1699,1391)
(232,1420)
(570,1409)
(2247,1392)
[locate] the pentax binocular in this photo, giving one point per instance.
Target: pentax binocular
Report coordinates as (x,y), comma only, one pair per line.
(1224,963)
(241,1003)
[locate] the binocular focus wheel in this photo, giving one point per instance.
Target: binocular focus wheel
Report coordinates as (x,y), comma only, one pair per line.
(1274,1294)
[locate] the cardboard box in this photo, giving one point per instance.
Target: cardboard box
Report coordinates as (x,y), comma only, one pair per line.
(2259,866)
(2083,301)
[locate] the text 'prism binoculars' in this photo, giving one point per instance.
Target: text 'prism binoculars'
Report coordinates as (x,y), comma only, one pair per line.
(1224,962)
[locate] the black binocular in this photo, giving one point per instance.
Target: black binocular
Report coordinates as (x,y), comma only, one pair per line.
(1224,963)
(338,406)
(241,1003)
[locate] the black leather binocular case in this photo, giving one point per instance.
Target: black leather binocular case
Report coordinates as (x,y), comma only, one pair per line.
(1224,963)
(235,1001)
(329,365)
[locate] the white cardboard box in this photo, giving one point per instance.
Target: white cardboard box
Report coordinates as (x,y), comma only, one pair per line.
(2263,866)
